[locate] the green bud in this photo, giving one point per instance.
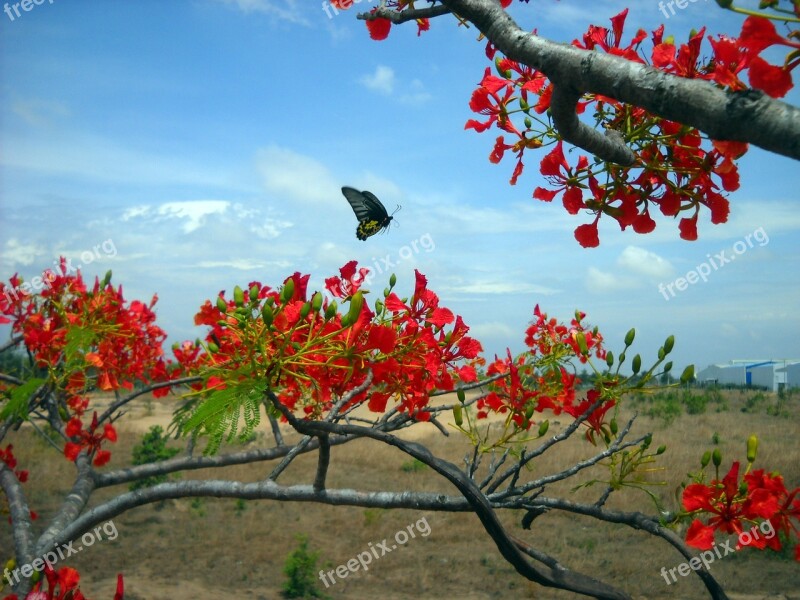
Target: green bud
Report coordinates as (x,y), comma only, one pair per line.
(222,305)
(582,346)
(253,292)
(669,344)
(648,440)
(238,296)
(543,427)
(661,354)
(106,281)
(725,3)
(528,123)
(392,280)
(610,359)
(378,305)
(213,348)
(688,374)
(288,291)
(661,449)
(305,309)
(636,364)
(614,427)
(705,459)
(356,303)
(267,315)
(629,337)
(529,411)
(462,397)
(457,415)
(752,448)
(716,457)
(386,292)
(523,104)
(668,367)
(330,312)
(316,302)
(506,74)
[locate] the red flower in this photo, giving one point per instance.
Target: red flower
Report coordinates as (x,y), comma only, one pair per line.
(379,28)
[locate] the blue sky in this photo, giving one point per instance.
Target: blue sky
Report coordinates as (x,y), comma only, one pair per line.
(193,145)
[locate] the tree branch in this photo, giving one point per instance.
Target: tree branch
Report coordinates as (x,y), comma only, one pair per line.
(747,116)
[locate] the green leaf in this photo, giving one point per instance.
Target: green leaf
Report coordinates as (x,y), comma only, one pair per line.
(18,399)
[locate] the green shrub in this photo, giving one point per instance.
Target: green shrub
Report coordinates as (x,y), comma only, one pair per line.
(152,448)
(300,569)
(413,466)
(695,404)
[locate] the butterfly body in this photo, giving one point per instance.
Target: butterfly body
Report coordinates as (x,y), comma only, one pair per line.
(370,212)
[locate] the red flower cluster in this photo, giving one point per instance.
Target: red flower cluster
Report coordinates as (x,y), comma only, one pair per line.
(7,456)
(63,586)
(89,439)
(85,337)
(540,379)
(308,352)
(734,503)
(673,173)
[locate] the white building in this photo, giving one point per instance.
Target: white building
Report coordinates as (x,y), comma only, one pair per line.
(773,375)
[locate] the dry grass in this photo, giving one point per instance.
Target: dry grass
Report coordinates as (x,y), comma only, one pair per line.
(212,548)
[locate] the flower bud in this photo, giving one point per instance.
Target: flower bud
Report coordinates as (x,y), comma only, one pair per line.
(462,397)
(213,348)
(716,457)
(253,292)
(661,449)
(356,303)
(668,367)
(106,280)
(613,426)
(636,364)
(705,459)
(543,427)
(752,448)
(580,338)
(392,280)
(267,315)
(238,296)
(688,374)
(610,359)
(305,309)
(669,344)
(316,302)
(457,415)
(629,337)
(330,312)
(222,305)
(288,291)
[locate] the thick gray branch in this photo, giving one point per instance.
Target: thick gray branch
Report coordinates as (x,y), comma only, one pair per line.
(748,116)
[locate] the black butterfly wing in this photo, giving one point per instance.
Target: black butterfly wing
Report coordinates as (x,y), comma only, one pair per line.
(370,212)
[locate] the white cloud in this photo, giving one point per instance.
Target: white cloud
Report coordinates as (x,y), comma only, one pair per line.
(643,262)
(39,113)
(194,212)
(603,282)
(381,81)
(300,177)
(285,10)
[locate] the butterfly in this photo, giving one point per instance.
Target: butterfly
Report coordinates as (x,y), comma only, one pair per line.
(371,214)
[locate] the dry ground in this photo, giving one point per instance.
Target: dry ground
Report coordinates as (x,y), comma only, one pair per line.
(218,549)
